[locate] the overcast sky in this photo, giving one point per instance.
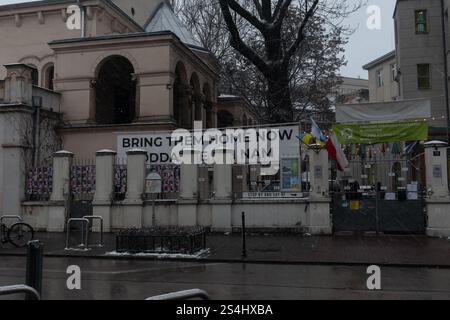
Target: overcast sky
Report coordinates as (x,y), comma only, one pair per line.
(364,45)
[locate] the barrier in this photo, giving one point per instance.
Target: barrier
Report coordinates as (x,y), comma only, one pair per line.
(84,233)
(182,295)
(10,290)
(18,218)
(91,220)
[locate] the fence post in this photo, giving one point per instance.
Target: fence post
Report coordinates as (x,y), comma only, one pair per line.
(104,186)
(136,174)
(438,203)
(35,255)
(318,216)
(62,163)
(244,244)
(187,204)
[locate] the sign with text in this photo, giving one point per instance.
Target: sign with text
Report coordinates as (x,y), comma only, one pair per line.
(159,145)
(372,133)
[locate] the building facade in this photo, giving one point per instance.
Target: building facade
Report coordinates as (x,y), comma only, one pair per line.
(383,82)
(420,30)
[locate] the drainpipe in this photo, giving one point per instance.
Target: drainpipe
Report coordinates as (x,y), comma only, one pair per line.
(444,43)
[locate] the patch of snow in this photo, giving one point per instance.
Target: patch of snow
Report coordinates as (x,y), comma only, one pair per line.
(198,255)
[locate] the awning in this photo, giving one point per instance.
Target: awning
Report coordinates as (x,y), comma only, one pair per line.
(384,111)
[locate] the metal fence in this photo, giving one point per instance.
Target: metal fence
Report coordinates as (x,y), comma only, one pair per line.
(82,179)
(39,184)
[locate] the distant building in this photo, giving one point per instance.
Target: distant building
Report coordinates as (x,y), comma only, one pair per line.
(383,81)
(352,90)
(234,111)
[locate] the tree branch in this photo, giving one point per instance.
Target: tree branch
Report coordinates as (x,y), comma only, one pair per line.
(236,41)
(300,35)
(246,15)
(258,8)
(280,11)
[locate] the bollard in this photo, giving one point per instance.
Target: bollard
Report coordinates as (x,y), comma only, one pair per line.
(35,255)
(244,247)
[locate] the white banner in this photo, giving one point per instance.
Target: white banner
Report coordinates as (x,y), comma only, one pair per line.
(159,145)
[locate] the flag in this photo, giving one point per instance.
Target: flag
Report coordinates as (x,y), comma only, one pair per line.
(306,138)
(317,133)
(335,152)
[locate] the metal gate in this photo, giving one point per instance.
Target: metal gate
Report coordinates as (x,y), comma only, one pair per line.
(372,212)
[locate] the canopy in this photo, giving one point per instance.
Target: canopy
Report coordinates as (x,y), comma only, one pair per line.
(384,111)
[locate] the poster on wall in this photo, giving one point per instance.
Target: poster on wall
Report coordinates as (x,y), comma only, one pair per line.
(290,174)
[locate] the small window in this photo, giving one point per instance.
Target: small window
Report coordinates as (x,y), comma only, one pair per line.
(133,12)
(421,21)
(380,78)
(393,72)
(35,77)
(423,76)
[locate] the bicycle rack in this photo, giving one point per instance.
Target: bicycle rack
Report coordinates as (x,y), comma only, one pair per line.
(3,218)
(84,234)
(10,290)
(91,219)
(182,295)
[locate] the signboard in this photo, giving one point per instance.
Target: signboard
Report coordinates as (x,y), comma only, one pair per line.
(290,174)
(159,145)
(372,133)
(271,195)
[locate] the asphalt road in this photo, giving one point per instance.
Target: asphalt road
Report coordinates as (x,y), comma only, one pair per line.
(137,280)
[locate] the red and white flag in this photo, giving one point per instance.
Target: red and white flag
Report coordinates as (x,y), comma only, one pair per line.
(335,152)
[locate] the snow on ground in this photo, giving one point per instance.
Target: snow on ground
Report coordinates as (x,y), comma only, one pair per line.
(198,255)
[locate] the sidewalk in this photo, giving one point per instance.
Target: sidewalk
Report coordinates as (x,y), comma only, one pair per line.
(345,250)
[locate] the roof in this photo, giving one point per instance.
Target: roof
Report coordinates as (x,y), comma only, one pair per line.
(164,19)
(384,58)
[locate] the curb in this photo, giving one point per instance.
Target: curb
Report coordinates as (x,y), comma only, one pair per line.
(240,261)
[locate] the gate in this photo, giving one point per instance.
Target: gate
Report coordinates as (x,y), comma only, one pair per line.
(379,195)
(371,212)
(82,187)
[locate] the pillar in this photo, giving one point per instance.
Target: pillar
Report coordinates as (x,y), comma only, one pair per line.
(438,203)
(318,216)
(223,192)
(187,203)
(136,173)
(104,186)
(57,215)
(18,84)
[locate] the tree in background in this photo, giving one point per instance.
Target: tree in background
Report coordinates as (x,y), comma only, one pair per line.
(284,55)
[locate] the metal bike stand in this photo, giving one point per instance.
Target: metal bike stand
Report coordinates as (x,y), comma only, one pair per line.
(18,218)
(182,295)
(10,290)
(91,219)
(84,234)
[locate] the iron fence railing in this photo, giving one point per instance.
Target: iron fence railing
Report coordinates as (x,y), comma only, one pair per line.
(167,240)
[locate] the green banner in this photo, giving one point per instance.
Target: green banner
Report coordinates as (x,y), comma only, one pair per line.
(372,133)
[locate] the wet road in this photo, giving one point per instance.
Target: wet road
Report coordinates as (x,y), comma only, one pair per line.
(137,280)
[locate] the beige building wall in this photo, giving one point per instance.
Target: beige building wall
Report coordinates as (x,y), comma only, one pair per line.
(388,88)
(25,32)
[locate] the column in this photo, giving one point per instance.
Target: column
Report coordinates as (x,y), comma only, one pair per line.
(104,186)
(318,217)
(187,203)
(60,198)
(136,173)
(18,84)
(223,192)
(438,203)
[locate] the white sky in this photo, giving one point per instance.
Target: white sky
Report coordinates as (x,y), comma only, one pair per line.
(364,45)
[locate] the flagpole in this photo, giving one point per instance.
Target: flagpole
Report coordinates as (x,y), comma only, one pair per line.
(300,152)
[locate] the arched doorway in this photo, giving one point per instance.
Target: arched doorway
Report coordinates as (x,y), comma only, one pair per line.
(115,92)
(181,110)
(196,102)
(224,119)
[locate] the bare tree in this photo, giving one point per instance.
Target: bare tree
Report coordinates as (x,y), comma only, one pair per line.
(285,54)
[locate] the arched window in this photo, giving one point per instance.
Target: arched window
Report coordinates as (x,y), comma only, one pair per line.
(224,119)
(196,100)
(34,76)
(181,112)
(115,92)
(49,76)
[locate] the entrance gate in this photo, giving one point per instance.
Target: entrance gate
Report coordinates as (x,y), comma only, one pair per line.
(383,196)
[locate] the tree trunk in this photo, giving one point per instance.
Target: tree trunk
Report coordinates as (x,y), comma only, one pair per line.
(279,97)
